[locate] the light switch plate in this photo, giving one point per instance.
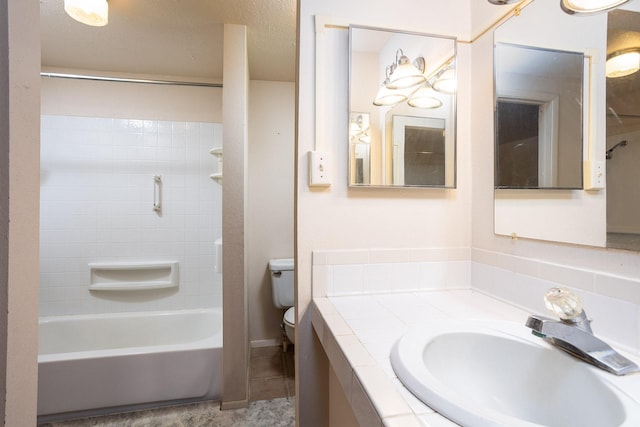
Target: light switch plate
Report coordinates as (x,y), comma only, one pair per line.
(595,175)
(318,169)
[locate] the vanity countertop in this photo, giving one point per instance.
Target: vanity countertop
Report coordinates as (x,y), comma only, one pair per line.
(358,332)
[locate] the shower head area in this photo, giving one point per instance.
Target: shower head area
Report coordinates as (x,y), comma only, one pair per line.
(609,153)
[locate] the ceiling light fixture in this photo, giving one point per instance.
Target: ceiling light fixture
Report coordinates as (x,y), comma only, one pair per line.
(589,6)
(623,63)
(577,6)
(89,12)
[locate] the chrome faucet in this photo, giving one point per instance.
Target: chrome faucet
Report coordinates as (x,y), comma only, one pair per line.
(573,334)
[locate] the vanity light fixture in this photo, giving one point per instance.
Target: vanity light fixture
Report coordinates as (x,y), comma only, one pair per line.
(623,62)
(589,6)
(445,80)
(425,97)
(89,12)
(387,96)
(406,81)
(404,73)
(359,128)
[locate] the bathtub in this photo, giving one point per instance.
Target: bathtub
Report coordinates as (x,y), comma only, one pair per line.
(94,364)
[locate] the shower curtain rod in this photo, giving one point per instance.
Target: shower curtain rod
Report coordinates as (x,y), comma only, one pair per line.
(128,80)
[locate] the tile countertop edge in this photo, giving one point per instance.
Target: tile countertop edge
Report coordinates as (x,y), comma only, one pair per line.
(357,371)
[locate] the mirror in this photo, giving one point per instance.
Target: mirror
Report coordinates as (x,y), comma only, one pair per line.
(402,102)
(570,211)
(622,149)
(538,117)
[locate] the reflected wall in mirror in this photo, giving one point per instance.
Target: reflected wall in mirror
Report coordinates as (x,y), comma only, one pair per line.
(623,130)
(571,215)
(538,118)
(402,98)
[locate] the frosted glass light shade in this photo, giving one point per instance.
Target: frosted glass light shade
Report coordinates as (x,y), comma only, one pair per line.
(623,63)
(388,96)
(89,12)
(589,6)
(446,82)
(424,98)
(407,74)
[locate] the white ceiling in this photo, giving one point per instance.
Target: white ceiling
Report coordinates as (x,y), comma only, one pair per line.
(172,37)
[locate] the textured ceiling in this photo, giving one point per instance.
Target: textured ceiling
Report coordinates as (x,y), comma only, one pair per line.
(172,37)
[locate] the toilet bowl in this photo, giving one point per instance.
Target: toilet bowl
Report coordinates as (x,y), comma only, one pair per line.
(283,294)
(289,321)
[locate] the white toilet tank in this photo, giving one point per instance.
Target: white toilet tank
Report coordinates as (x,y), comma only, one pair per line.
(282,282)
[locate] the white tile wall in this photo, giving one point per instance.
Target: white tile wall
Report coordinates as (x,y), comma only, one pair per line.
(390,270)
(96,205)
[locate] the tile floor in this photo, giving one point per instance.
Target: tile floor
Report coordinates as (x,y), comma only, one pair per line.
(272,395)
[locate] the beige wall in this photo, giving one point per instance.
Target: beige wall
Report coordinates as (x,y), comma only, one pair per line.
(343,218)
(270,216)
(19,209)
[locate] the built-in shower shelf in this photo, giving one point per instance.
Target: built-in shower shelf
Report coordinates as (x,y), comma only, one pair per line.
(133,276)
(217,152)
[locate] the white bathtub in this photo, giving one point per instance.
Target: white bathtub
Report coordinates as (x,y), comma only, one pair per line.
(91,364)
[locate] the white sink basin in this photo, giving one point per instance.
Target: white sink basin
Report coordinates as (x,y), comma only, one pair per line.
(497,374)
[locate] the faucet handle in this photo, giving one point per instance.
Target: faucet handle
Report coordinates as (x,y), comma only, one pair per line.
(564,304)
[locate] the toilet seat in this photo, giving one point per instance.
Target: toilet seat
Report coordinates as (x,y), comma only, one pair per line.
(290,316)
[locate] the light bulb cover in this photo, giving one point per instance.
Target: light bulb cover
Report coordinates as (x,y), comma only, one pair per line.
(623,63)
(404,73)
(388,97)
(589,6)
(424,98)
(445,81)
(89,12)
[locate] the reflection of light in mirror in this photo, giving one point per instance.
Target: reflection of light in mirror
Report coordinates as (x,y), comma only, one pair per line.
(359,128)
(93,12)
(404,73)
(424,98)
(387,96)
(623,63)
(589,6)
(445,81)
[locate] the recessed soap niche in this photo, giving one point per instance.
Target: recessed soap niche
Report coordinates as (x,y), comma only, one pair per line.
(133,276)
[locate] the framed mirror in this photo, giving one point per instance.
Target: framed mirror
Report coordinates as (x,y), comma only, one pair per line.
(538,117)
(402,100)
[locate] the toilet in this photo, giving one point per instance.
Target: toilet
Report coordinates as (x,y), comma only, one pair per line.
(282,289)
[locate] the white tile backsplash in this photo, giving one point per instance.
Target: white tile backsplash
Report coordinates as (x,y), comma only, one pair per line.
(612,301)
(96,199)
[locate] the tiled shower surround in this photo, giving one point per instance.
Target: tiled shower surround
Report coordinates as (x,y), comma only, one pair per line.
(97,195)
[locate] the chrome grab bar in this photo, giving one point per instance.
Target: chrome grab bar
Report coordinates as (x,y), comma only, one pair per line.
(157,193)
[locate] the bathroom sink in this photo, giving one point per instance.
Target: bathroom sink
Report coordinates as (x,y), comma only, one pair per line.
(497,374)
